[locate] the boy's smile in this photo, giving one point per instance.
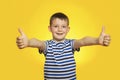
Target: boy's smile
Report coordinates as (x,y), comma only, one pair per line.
(59,29)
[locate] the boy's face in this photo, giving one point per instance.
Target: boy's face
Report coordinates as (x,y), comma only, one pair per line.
(59,29)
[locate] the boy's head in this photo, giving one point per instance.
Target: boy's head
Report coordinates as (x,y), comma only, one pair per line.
(59,26)
(59,15)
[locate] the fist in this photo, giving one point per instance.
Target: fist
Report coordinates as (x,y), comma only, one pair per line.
(22,40)
(104,39)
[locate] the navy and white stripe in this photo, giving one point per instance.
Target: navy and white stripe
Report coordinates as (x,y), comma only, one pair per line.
(60,63)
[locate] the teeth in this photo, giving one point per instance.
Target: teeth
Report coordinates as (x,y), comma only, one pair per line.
(59,33)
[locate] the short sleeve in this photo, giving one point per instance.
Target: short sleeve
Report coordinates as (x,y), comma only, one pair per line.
(43,51)
(74,49)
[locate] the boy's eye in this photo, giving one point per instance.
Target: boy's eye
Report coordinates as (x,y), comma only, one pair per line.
(55,26)
(64,26)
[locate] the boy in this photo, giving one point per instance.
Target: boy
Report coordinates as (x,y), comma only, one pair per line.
(60,63)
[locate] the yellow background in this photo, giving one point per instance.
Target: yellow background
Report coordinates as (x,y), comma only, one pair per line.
(86,19)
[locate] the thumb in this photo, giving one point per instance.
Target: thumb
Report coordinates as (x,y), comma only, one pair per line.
(102,34)
(103,30)
(21,32)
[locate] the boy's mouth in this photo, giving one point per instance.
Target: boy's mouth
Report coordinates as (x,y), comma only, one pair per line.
(59,33)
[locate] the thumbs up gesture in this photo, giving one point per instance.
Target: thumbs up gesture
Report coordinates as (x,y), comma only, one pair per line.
(22,40)
(104,39)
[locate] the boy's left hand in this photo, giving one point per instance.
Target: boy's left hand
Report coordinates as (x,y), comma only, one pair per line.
(104,39)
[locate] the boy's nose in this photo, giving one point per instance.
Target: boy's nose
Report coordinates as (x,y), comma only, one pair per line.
(59,29)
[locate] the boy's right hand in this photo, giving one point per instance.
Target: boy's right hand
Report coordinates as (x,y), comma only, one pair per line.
(22,40)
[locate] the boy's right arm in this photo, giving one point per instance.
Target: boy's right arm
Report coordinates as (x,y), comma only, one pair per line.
(23,42)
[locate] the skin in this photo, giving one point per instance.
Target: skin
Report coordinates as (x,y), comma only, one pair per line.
(59,30)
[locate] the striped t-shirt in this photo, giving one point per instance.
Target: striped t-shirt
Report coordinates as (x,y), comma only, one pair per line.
(59,63)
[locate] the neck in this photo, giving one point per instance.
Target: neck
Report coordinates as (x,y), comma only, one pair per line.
(59,40)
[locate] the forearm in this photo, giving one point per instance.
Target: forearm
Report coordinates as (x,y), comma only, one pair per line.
(90,41)
(35,43)
(87,41)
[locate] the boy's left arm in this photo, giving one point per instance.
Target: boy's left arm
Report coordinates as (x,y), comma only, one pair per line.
(103,39)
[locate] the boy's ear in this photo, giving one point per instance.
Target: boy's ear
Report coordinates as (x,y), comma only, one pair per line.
(68,29)
(49,28)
